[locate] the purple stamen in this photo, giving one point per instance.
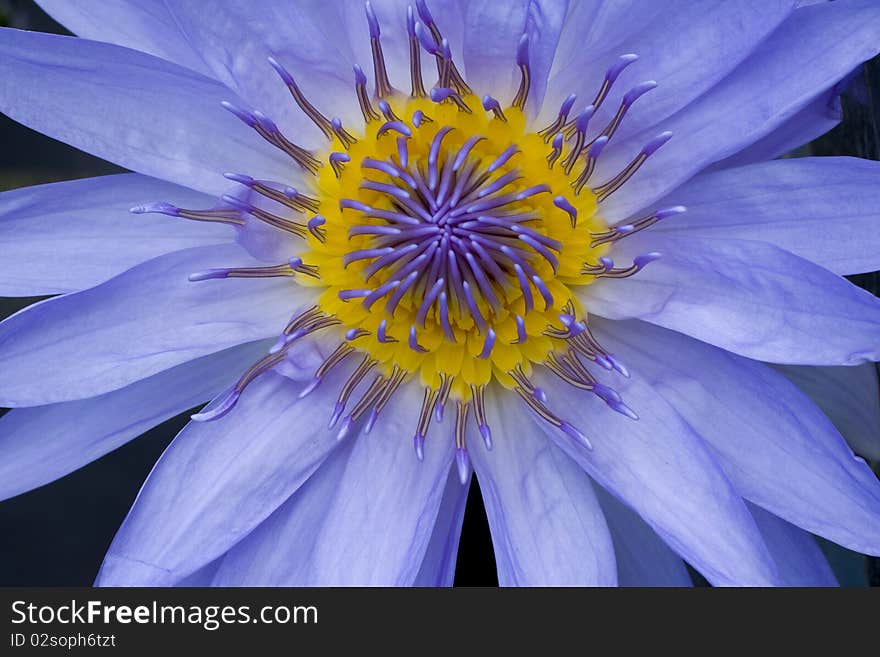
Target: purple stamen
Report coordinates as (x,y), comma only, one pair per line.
(488,344)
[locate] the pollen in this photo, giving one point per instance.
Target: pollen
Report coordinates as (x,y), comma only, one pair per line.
(450,242)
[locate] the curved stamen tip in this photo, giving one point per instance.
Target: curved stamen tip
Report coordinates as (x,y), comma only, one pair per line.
(655,144)
(642,260)
(337,413)
(490,103)
(372,21)
(240,178)
(579,437)
(424,12)
(247,117)
(160,208)
(419,446)
(439,94)
(618,366)
(567,104)
(371,421)
(426,40)
(486,433)
(623,409)
(206,275)
(463,464)
(345,428)
(359,75)
(622,62)
(310,387)
(583,119)
(596,149)
(282,72)
(669,212)
(522,51)
(221,409)
(639,90)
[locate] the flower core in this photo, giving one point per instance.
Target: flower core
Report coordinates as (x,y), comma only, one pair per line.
(448,247)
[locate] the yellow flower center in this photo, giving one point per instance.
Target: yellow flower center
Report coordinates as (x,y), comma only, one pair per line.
(451,242)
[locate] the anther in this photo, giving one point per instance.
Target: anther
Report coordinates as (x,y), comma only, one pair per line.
(442,94)
(308,109)
(552,129)
(337,163)
(380,73)
(556,153)
(415,57)
(605,190)
(477,397)
(522,60)
(315,229)
(360,82)
(492,105)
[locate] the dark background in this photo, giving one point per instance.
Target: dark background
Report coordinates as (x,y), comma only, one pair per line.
(57,535)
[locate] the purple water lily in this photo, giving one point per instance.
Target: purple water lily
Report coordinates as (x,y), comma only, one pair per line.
(543,242)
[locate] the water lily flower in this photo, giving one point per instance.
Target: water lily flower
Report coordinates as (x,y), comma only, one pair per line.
(396,244)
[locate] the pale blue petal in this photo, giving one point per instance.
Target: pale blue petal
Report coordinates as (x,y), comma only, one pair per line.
(662,469)
(776,447)
(367,523)
(813,121)
(42,443)
(797,555)
(141,112)
(146,320)
(145,25)
(685,46)
(217,481)
(438,566)
(816,47)
(643,559)
(236,38)
(824,209)
(70,236)
(491,36)
(849,396)
(748,297)
(547,526)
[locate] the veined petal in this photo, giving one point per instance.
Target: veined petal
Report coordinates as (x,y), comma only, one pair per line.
(136,110)
(686,47)
(776,447)
(821,115)
(643,559)
(217,481)
(649,464)
(751,298)
(848,396)
(69,236)
(145,25)
(824,209)
(367,522)
(236,38)
(547,526)
(797,555)
(146,320)
(43,443)
(438,566)
(822,42)
(491,35)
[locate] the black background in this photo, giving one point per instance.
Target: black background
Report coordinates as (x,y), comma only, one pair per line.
(57,535)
